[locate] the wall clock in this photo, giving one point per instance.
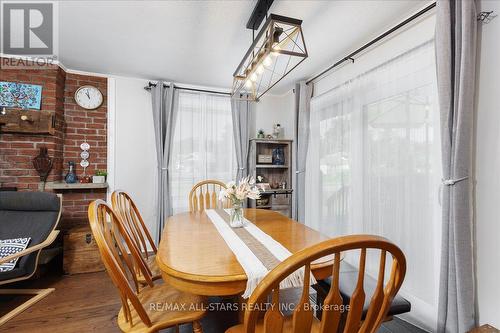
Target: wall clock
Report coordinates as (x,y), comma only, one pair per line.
(88,97)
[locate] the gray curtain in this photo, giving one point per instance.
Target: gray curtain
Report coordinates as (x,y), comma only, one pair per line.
(241,111)
(164,116)
(303,94)
(456,61)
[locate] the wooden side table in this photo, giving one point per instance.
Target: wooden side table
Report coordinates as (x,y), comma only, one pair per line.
(485,329)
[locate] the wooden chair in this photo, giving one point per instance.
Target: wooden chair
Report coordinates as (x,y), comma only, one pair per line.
(333,319)
(205,195)
(143,309)
(127,210)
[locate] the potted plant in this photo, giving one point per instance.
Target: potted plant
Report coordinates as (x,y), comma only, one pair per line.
(100,177)
(261,134)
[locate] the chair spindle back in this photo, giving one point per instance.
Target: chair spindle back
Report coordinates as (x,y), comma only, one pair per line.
(120,257)
(205,195)
(332,315)
(126,208)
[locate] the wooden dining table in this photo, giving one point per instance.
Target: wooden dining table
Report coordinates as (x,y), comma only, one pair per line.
(193,256)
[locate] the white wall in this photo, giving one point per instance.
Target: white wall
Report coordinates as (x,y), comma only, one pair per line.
(488,171)
(274,109)
(134,146)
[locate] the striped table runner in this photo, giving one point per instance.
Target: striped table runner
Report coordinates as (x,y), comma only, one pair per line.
(257,252)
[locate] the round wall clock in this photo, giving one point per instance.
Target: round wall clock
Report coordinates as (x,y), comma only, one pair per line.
(88,97)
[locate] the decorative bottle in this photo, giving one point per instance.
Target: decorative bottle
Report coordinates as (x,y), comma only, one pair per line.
(71,176)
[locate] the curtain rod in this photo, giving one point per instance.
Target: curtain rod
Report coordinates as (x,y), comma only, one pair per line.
(373,41)
(151,84)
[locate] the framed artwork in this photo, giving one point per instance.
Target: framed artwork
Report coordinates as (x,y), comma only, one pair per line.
(20,95)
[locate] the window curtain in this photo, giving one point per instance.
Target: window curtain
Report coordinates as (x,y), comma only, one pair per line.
(373,167)
(203,146)
(303,94)
(456,33)
(241,111)
(164,117)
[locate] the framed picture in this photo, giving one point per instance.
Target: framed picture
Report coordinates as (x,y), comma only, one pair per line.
(20,95)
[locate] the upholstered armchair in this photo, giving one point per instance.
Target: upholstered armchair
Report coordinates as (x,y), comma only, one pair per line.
(22,215)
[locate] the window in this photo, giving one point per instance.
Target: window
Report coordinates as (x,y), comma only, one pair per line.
(203,146)
(374,166)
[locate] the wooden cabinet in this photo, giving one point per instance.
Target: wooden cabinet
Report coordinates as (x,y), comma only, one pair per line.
(81,254)
(279,176)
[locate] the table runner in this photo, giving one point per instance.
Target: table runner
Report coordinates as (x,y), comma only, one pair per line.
(257,252)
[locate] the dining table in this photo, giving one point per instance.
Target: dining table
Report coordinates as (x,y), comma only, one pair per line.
(193,256)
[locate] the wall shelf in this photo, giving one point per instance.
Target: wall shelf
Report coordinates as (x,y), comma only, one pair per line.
(28,122)
(271,166)
(61,186)
(277,191)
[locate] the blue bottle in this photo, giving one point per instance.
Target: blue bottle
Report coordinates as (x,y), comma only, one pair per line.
(71,175)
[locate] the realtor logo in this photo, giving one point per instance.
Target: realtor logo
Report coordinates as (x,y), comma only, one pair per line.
(28,28)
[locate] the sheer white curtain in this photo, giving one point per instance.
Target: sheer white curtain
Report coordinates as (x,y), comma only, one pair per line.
(374,167)
(203,145)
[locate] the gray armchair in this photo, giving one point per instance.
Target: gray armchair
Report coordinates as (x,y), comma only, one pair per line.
(27,214)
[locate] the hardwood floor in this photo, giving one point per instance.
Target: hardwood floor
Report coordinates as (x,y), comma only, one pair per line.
(90,303)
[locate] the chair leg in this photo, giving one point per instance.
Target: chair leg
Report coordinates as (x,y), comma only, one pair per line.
(197,327)
(39,295)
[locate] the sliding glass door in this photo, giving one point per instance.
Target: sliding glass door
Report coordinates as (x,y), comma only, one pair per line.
(374,167)
(203,145)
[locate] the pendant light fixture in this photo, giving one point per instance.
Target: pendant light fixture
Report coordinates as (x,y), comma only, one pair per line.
(277,49)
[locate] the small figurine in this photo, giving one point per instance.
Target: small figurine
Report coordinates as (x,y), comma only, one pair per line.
(276,131)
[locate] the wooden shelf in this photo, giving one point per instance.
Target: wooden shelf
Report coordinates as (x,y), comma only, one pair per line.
(280,207)
(76,186)
(277,191)
(271,166)
(28,121)
(275,141)
(279,199)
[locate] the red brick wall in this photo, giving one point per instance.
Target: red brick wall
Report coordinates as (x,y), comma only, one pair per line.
(17,150)
(73,126)
(83,125)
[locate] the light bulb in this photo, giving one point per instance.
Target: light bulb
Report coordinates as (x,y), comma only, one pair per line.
(260,69)
(275,52)
(267,61)
(253,77)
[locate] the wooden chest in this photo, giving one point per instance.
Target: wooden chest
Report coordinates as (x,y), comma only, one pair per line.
(81,254)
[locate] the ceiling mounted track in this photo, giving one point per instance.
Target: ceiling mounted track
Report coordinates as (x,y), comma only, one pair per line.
(259,14)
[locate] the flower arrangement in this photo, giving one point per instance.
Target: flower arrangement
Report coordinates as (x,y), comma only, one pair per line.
(236,194)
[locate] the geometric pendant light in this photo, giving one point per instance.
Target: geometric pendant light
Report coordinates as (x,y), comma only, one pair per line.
(277,49)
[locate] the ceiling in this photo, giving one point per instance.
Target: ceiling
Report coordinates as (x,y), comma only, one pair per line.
(202,42)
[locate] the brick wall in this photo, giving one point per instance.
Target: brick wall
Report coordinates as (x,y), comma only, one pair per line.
(83,125)
(17,150)
(73,126)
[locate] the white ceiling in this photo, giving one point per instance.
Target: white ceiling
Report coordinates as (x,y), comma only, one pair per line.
(202,42)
